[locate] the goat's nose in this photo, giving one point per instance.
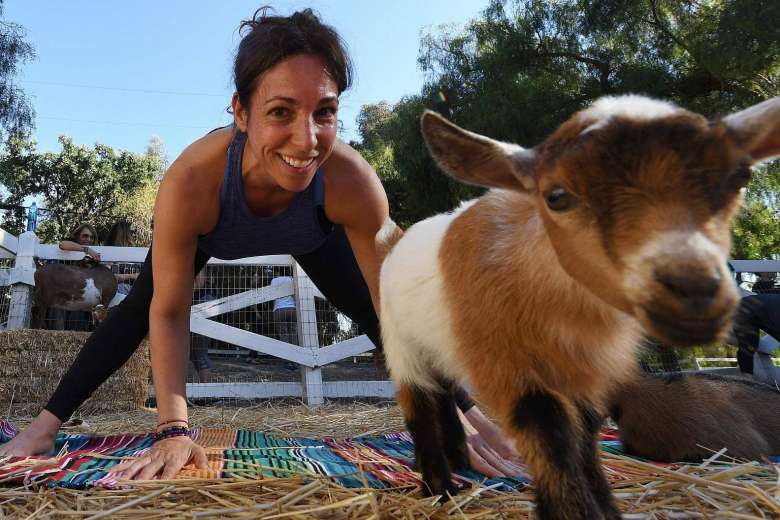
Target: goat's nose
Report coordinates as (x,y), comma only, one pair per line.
(692,291)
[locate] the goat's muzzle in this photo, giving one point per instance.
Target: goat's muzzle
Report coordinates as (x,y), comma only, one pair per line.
(689,309)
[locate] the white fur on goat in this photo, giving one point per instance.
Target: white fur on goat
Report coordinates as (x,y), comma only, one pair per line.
(90,297)
(634,107)
(538,291)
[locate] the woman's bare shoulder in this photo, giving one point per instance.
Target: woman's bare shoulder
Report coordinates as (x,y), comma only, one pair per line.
(346,168)
(354,195)
(193,180)
(208,153)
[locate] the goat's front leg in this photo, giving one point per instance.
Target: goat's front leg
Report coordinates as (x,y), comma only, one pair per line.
(548,433)
(452,432)
(589,448)
(420,407)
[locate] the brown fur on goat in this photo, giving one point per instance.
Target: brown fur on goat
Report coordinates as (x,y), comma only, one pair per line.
(86,286)
(687,417)
(537,292)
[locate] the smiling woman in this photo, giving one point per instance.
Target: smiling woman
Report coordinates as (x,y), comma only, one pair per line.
(276,182)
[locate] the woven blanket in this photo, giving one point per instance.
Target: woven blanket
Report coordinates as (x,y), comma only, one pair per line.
(386,461)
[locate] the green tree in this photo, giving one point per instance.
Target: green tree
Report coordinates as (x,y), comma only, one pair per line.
(16,165)
(524,66)
(77,184)
(16,112)
(757,228)
(138,209)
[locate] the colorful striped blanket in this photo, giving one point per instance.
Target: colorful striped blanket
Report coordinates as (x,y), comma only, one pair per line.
(386,461)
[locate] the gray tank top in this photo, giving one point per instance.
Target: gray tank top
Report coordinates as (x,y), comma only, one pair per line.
(299,229)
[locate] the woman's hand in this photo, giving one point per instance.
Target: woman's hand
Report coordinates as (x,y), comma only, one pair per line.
(88,251)
(164,460)
(490,453)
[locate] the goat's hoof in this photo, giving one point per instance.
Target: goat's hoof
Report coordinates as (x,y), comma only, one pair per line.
(440,486)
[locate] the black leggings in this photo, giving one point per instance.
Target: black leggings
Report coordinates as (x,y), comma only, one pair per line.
(332,267)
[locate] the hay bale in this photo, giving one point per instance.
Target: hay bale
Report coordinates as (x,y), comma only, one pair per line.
(32,362)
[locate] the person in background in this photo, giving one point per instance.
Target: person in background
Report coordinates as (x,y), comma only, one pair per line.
(121,235)
(81,240)
(199,344)
(285,316)
(765,283)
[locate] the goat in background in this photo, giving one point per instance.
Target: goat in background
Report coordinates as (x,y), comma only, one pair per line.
(678,417)
(85,286)
(538,292)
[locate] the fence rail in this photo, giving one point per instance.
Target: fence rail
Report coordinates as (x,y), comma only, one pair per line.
(309,354)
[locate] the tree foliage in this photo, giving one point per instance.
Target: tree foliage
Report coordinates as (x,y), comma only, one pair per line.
(78,184)
(756,231)
(16,112)
(524,66)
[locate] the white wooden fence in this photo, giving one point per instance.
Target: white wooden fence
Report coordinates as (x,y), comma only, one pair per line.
(310,355)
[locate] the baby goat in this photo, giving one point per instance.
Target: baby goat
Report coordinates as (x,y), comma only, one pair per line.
(538,291)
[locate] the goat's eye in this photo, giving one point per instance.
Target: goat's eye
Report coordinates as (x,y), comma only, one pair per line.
(558,199)
(741,177)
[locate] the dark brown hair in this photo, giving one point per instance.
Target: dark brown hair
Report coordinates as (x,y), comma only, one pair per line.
(121,234)
(266,40)
(74,235)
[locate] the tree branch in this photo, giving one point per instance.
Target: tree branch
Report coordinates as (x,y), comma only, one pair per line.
(660,25)
(602,66)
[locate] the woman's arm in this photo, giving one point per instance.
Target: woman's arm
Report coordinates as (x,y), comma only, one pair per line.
(186,207)
(173,252)
(356,199)
(69,245)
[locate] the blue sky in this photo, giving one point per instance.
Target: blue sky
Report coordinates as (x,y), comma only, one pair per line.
(165,66)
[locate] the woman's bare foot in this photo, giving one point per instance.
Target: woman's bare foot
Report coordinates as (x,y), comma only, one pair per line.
(36,439)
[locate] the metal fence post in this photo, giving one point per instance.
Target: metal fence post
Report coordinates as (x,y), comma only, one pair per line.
(311,378)
(22,281)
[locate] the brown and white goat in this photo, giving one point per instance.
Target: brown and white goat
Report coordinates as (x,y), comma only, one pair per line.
(687,417)
(538,292)
(85,286)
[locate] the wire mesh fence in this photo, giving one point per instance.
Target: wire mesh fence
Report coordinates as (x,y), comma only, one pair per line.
(5,291)
(216,361)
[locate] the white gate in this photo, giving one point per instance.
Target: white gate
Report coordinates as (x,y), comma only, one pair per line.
(309,355)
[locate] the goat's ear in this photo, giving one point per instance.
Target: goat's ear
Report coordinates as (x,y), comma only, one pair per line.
(758,129)
(476,159)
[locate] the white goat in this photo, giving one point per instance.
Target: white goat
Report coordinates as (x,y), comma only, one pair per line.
(538,291)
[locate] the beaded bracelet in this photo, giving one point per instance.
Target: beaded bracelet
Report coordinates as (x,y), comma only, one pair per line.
(173,431)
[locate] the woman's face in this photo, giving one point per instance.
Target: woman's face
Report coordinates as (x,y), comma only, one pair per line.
(291,122)
(85,237)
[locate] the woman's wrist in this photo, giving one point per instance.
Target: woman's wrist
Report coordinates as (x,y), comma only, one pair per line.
(171,431)
(172,422)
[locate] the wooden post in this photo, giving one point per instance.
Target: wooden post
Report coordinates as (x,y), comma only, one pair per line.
(22,282)
(311,378)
